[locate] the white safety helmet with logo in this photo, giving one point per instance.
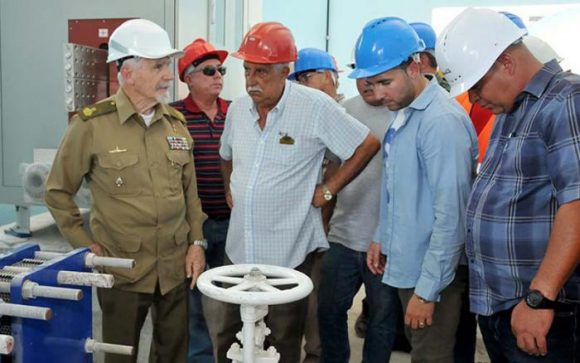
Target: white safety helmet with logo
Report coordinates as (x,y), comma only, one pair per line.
(471,43)
(140,38)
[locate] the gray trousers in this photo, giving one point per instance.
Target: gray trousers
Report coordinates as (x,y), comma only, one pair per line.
(435,344)
(286,321)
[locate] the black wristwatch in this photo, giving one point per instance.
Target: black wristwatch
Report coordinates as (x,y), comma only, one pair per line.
(535,300)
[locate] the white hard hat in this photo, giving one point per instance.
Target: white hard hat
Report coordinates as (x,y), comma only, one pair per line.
(541,49)
(471,43)
(140,38)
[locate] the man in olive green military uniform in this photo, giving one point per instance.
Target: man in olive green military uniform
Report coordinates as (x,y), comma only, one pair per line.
(135,151)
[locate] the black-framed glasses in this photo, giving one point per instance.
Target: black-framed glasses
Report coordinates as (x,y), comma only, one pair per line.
(211,70)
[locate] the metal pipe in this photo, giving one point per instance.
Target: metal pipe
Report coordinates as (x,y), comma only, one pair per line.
(85,279)
(92,260)
(6,344)
(47,255)
(32,290)
(23,311)
(92,346)
(17,269)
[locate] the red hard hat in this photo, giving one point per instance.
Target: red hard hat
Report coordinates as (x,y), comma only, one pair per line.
(198,49)
(268,43)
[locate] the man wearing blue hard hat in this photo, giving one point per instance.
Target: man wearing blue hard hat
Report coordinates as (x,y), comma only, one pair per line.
(317,69)
(430,155)
(428,62)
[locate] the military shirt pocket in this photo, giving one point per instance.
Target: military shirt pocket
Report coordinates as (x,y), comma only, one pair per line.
(181,234)
(176,160)
(124,246)
(119,174)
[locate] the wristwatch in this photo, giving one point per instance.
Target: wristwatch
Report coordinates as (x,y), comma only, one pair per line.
(326,193)
(536,300)
(200,242)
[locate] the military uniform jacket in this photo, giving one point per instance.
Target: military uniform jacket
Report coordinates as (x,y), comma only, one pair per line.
(142,180)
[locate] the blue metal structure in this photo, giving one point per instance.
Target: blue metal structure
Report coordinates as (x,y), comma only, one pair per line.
(65,334)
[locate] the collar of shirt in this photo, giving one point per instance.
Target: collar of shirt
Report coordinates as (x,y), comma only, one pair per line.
(422,101)
(279,108)
(425,97)
(194,108)
(539,82)
(125,108)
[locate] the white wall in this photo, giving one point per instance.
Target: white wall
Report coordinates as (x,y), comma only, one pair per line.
(307,20)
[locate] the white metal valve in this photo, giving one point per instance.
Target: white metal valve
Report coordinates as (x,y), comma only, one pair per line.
(254,287)
(254,284)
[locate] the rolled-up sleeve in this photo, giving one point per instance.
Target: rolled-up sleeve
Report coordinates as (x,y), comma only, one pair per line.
(563,145)
(341,133)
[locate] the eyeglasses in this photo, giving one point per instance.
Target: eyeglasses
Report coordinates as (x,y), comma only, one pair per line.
(211,70)
(304,77)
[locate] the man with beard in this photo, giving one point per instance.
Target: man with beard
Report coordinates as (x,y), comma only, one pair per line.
(429,155)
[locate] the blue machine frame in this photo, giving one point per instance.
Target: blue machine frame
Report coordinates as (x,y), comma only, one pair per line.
(65,334)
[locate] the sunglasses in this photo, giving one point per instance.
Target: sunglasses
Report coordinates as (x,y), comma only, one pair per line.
(211,70)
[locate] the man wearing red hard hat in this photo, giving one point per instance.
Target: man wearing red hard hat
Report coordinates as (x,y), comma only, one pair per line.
(201,68)
(272,150)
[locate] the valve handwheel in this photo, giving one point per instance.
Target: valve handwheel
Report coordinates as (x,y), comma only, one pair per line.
(251,284)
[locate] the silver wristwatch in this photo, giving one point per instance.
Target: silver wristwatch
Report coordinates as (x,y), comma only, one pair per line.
(200,242)
(326,193)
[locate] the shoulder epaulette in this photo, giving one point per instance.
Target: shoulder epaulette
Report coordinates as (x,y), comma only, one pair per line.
(176,114)
(98,109)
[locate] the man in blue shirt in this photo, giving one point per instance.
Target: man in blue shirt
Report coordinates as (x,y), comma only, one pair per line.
(523,235)
(429,153)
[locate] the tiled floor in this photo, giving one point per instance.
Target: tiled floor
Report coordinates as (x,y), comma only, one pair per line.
(48,237)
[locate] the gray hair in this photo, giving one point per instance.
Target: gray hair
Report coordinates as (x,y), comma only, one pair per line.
(188,70)
(134,63)
(278,67)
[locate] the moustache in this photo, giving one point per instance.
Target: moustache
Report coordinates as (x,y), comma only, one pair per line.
(254,89)
(164,86)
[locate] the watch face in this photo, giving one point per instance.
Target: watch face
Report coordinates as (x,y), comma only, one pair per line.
(327,196)
(534,298)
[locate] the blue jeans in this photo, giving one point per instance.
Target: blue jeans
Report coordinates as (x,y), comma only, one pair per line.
(200,348)
(563,337)
(343,272)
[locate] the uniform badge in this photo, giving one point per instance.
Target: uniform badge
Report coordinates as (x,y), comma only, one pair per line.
(285,139)
(88,111)
(116,150)
(177,143)
(119,182)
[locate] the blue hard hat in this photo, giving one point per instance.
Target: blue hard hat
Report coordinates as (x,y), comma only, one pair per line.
(426,33)
(384,44)
(515,19)
(312,59)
